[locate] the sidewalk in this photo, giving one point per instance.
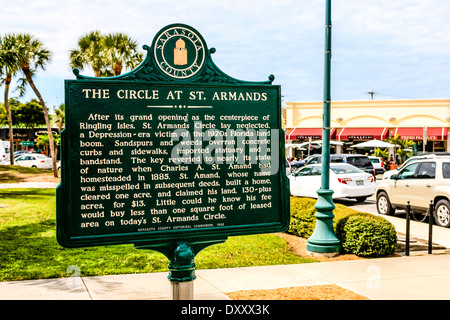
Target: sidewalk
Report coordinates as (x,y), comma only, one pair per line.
(403,278)
(28,185)
(417,277)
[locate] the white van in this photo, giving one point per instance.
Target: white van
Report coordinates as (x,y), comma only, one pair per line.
(378,164)
(4,152)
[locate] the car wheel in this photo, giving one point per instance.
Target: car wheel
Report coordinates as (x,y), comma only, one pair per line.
(442,213)
(33,166)
(384,205)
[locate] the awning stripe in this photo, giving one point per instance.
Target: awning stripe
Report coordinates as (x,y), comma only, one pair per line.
(433,133)
(363,133)
(305,133)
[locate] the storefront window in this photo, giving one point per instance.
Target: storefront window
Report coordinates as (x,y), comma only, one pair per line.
(438,146)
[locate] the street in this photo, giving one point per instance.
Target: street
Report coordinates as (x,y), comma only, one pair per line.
(367,206)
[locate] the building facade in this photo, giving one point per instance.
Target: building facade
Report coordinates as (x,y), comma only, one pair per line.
(23,135)
(426,122)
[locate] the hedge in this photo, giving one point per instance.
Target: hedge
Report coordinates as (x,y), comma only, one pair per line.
(367,235)
(360,233)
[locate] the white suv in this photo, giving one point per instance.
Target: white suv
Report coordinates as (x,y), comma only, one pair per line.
(431,155)
(419,182)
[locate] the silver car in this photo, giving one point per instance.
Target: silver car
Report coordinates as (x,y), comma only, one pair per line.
(419,182)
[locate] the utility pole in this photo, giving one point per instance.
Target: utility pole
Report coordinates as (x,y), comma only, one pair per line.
(371,94)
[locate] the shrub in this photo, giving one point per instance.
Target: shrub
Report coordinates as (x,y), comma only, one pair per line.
(303,221)
(366,235)
(360,233)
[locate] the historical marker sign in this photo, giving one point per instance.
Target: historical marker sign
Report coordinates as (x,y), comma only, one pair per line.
(174,150)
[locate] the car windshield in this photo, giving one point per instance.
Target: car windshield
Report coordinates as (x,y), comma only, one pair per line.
(313,160)
(407,162)
(359,161)
(304,171)
(345,169)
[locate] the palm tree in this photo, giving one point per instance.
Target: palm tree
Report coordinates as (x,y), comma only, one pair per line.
(405,147)
(3,116)
(90,52)
(43,143)
(106,54)
(34,55)
(60,117)
(121,49)
(9,53)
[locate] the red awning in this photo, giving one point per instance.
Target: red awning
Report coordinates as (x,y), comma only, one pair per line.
(439,133)
(306,133)
(363,134)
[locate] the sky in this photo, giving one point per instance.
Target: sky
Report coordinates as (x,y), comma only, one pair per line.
(397,49)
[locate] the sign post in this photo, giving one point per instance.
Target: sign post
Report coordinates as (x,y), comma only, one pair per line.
(424,139)
(323,240)
(173,156)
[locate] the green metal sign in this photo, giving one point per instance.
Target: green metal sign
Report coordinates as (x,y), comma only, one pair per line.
(28,143)
(173,151)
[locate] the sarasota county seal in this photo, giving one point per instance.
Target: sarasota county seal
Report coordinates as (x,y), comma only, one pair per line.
(179,51)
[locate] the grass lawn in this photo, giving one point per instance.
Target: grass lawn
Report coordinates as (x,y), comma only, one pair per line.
(29,250)
(20,169)
(15,174)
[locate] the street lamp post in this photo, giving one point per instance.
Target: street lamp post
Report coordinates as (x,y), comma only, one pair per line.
(323,239)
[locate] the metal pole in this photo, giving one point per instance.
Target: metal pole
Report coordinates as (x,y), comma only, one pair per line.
(424,140)
(183,290)
(182,271)
(430,228)
(323,239)
(327,101)
(408,219)
(181,257)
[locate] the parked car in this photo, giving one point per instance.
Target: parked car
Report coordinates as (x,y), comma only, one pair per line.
(420,182)
(378,164)
(34,160)
(26,153)
(360,161)
(433,155)
(4,152)
(297,163)
(288,167)
(346,181)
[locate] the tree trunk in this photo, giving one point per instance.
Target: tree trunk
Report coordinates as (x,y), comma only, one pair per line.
(117,68)
(26,71)
(10,124)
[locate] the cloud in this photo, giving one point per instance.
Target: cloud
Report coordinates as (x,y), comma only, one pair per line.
(393,47)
